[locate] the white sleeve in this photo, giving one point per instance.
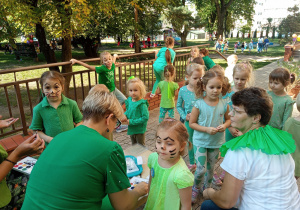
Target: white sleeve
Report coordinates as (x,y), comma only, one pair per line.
(236,164)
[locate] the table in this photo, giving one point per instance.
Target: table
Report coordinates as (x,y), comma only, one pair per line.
(140,150)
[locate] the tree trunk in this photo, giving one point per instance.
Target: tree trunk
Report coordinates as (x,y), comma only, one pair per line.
(273,33)
(66,56)
(183,39)
(90,46)
(137,46)
(44,47)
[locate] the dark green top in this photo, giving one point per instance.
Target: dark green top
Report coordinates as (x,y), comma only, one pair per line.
(209,63)
(54,121)
(5,195)
(138,115)
(106,76)
(76,171)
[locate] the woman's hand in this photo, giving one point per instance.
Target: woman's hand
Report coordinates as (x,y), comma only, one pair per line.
(6,123)
(207,193)
(211,130)
(32,145)
(141,188)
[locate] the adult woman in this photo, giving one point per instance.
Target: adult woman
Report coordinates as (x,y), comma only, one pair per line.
(259,167)
(209,63)
(30,146)
(81,166)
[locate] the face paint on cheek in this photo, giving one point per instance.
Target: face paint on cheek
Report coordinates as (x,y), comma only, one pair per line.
(173,153)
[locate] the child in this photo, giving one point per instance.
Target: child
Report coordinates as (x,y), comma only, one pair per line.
(245,43)
(279,79)
(250,46)
(194,54)
(198,60)
(226,47)
(243,47)
(235,47)
(105,73)
(222,46)
(170,184)
(136,110)
(231,61)
(292,125)
(209,63)
(186,100)
(165,56)
(55,113)
(209,119)
(168,90)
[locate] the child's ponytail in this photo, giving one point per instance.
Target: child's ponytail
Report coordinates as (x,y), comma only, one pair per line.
(169,72)
(168,57)
(198,89)
(169,44)
(293,77)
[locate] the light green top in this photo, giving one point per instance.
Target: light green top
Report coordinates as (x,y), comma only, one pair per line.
(292,126)
(138,115)
(76,171)
(282,109)
(167,90)
(165,184)
(5,195)
(54,121)
(106,76)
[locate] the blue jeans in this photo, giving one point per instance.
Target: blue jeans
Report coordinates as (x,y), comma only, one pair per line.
(120,96)
(210,205)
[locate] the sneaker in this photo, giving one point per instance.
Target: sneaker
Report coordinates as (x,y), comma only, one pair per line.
(152,95)
(222,175)
(122,128)
(192,167)
(216,180)
(195,193)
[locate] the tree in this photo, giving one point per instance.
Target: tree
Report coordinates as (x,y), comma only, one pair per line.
(291,23)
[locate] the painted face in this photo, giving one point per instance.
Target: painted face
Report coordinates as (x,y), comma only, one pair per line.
(167,146)
(213,88)
(134,91)
(194,53)
(194,78)
(240,79)
(240,119)
(107,60)
(276,86)
(52,88)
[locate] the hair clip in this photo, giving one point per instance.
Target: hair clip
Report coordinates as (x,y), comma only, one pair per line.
(132,77)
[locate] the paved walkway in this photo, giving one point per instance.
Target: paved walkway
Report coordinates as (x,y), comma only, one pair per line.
(261,78)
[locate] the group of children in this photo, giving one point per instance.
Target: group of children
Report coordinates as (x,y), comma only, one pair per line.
(203,103)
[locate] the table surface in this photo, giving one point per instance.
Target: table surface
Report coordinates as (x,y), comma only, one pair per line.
(140,150)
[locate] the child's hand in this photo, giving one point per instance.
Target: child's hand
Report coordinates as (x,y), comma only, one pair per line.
(128,122)
(238,133)
(211,130)
(116,55)
(221,128)
(7,122)
(188,116)
(73,61)
(124,119)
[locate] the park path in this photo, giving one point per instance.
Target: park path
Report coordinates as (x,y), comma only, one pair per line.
(261,78)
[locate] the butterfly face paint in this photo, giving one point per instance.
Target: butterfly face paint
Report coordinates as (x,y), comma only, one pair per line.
(167,146)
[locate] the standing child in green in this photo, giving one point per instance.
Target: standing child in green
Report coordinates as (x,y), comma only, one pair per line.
(55,113)
(279,79)
(168,90)
(136,110)
(106,73)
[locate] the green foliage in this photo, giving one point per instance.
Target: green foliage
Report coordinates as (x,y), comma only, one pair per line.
(291,23)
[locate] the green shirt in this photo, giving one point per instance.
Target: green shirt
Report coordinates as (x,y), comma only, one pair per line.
(292,126)
(167,90)
(5,195)
(282,109)
(161,62)
(76,171)
(138,115)
(106,76)
(166,183)
(209,63)
(54,121)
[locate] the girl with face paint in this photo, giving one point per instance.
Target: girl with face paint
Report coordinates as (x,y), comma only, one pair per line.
(55,113)
(170,184)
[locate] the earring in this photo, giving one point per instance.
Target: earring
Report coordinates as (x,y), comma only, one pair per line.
(107,130)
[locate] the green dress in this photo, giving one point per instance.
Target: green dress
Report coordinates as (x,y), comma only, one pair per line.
(292,126)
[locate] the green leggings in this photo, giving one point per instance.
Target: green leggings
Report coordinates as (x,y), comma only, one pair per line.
(206,159)
(191,133)
(163,112)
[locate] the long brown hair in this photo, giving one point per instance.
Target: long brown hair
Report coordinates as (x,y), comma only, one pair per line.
(169,72)
(169,44)
(215,71)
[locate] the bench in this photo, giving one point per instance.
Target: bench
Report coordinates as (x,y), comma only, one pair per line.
(27,50)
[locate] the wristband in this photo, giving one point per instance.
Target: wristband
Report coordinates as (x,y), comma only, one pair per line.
(10,161)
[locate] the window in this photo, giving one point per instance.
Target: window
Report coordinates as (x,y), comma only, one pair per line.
(260,13)
(261,4)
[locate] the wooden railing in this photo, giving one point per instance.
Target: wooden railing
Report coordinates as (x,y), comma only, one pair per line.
(18,98)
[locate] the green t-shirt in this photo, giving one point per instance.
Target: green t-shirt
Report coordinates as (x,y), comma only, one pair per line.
(167,90)
(292,126)
(282,109)
(106,76)
(166,183)
(209,63)
(76,171)
(5,195)
(54,121)
(138,114)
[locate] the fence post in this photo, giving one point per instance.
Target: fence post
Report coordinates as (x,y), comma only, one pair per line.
(21,109)
(120,79)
